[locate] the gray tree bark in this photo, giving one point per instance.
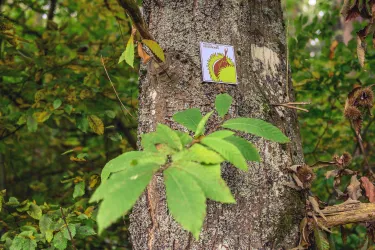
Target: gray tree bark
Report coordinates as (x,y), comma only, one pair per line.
(267,213)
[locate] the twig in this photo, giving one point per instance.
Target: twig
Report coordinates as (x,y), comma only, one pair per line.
(11,133)
(66,224)
(113,86)
(290,105)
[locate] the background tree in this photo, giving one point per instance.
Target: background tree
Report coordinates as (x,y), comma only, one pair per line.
(267,212)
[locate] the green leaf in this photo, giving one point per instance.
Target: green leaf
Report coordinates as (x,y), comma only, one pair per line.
(256,127)
(29,228)
(32,124)
(155,48)
(186,200)
(220,134)
(168,136)
(320,239)
(84,231)
(46,227)
(21,243)
(82,123)
(120,192)
(209,179)
(57,103)
(184,137)
(72,229)
(13,202)
(110,113)
(59,241)
(200,153)
(227,150)
(247,149)
(201,125)
(131,159)
(149,140)
(79,189)
(222,104)
(128,54)
(35,211)
(189,118)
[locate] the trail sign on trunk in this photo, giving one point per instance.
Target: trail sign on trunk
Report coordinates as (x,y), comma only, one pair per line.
(218,63)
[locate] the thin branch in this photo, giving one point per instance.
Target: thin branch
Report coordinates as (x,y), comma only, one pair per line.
(51,11)
(66,224)
(132,9)
(290,105)
(114,89)
(11,133)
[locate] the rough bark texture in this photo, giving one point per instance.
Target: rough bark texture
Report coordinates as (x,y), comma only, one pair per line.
(267,213)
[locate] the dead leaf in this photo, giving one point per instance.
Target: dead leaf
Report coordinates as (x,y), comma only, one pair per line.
(72,158)
(354,189)
(315,206)
(369,188)
(332,49)
(361,50)
(332,173)
(96,124)
(142,54)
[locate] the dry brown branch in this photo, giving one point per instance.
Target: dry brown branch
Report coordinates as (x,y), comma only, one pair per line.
(346,213)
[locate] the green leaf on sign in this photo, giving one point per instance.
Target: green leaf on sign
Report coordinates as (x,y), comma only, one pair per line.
(155,48)
(189,118)
(59,241)
(247,149)
(135,179)
(35,211)
(320,239)
(209,179)
(79,189)
(257,127)
(131,159)
(128,54)
(186,200)
(222,104)
(201,125)
(227,150)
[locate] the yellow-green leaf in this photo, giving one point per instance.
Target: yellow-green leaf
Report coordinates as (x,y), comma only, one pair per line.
(96,124)
(155,48)
(128,54)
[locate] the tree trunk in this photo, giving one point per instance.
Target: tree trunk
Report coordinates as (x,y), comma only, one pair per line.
(267,213)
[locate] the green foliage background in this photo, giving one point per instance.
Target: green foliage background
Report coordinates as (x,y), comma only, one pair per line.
(324,76)
(52,84)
